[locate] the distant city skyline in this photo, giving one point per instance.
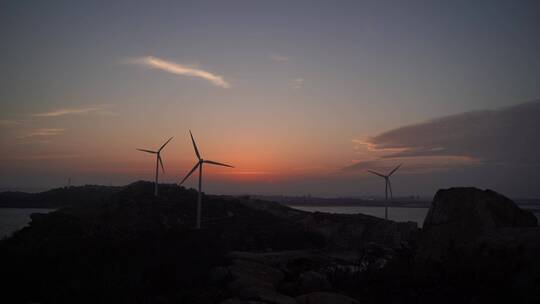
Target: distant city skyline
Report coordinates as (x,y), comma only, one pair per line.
(302,97)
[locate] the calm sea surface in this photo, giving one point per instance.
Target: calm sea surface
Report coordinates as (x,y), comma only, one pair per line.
(12,219)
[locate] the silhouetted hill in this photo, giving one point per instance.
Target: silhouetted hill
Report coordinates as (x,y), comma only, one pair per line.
(313,201)
(58,197)
(127,246)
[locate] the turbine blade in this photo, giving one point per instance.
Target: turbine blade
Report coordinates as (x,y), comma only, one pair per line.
(376,173)
(395,169)
(195,145)
(161,163)
(163,146)
(190,172)
(216,163)
(147,151)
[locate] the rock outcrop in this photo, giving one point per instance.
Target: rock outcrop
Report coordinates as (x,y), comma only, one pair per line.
(325,298)
(282,277)
(460,216)
(481,243)
(472,211)
(476,247)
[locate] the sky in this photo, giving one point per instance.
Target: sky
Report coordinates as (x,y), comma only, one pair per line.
(302,97)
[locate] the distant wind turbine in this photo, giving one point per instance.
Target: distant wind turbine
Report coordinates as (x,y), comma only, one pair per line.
(159,162)
(388,185)
(199,165)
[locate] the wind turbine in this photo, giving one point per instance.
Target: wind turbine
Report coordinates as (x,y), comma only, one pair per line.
(388,185)
(199,165)
(158,163)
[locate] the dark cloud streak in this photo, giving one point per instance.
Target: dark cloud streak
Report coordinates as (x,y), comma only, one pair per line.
(504,136)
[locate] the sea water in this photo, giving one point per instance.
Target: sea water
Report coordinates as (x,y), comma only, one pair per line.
(13,219)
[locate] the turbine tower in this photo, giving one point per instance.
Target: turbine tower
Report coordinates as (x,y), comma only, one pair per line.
(199,165)
(388,185)
(158,163)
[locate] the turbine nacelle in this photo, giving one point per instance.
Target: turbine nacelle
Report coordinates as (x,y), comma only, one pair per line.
(387,176)
(201,160)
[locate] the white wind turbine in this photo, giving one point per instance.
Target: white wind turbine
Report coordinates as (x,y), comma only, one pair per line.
(158,163)
(388,185)
(199,165)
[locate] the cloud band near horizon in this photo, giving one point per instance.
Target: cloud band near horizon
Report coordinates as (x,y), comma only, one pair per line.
(178,69)
(506,136)
(43,132)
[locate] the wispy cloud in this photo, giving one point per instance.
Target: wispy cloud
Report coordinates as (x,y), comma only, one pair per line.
(73,111)
(278,58)
(45,157)
(179,69)
(9,123)
(43,132)
(297,83)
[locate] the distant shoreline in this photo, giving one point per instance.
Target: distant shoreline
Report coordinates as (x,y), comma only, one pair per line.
(355,205)
(73,195)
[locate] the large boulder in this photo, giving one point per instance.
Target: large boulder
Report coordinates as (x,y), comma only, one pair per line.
(470,211)
(254,280)
(250,269)
(460,216)
(311,281)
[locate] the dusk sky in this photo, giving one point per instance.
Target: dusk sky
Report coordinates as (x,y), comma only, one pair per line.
(301,96)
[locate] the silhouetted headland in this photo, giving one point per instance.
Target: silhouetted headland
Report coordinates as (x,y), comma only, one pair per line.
(59,197)
(124,245)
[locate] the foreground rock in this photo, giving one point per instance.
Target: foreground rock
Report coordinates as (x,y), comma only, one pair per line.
(284,277)
(130,247)
(325,298)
